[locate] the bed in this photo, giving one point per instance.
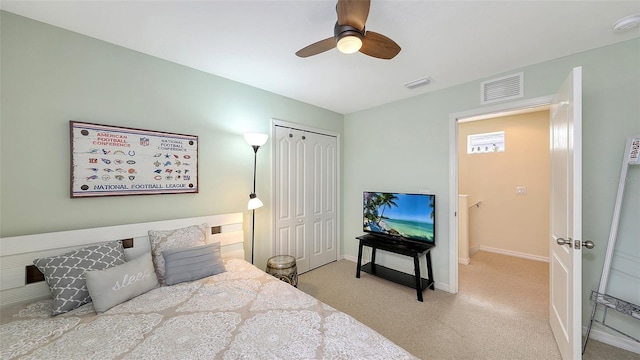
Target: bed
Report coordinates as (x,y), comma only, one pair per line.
(239,312)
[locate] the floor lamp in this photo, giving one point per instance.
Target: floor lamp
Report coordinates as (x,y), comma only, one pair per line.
(255,140)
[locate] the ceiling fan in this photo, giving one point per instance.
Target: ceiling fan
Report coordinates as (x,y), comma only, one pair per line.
(350,35)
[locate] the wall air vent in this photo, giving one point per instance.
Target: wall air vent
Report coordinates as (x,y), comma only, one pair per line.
(503,88)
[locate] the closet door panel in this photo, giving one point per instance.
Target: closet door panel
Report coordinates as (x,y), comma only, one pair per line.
(300,178)
(283,190)
(298,246)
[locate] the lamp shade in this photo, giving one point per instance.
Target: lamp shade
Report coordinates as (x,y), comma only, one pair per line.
(256,139)
(254,202)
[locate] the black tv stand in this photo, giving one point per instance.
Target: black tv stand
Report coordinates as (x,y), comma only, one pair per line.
(398,246)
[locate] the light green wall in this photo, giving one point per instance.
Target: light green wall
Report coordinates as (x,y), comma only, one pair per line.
(50,76)
(404,146)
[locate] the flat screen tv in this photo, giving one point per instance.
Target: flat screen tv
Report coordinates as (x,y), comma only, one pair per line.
(400,215)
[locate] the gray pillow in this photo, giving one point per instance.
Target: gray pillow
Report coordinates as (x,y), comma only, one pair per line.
(65,273)
(161,240)
(193,263)
(118,284)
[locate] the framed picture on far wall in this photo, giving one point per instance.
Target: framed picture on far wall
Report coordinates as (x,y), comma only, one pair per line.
(111,160)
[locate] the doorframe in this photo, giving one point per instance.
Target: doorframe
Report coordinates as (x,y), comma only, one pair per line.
(454,118)
(283,123)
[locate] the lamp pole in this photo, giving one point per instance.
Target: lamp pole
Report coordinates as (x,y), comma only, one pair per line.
(255,140)
(255,159)
(253,231)
(253,195)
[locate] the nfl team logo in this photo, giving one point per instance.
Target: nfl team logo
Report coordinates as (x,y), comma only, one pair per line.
(144,141)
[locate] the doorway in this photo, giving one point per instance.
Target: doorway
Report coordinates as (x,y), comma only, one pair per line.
(504,203)
(505,184)
(488,112)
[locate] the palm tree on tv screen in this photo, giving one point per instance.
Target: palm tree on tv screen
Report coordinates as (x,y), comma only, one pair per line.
(385,200)
(432,205)
(370,207)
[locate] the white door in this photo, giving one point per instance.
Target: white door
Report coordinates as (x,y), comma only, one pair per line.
(289,200)
(306,197)
(322,165)
(565,261)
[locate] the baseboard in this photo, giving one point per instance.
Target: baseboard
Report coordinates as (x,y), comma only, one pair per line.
(350,258)
(442,286)
(464,261)
(613,340)
(514,253)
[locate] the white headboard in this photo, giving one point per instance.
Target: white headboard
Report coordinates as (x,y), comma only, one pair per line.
(19,251)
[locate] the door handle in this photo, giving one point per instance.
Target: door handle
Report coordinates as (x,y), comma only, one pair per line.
(587,243)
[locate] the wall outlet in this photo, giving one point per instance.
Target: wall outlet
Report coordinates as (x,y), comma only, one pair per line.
(521,190)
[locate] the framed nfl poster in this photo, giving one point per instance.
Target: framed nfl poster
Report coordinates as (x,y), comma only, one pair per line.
(111,160)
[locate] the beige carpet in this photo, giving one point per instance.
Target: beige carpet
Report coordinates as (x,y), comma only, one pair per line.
(499,313)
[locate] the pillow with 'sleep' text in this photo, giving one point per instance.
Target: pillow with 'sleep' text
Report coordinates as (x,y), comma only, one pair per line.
(118,284)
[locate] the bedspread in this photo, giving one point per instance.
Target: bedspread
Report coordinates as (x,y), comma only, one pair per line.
(242,313)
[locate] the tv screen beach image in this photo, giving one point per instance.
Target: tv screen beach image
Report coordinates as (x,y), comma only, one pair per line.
(396,214)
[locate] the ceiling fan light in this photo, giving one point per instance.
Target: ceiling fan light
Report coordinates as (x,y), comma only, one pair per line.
(349,44)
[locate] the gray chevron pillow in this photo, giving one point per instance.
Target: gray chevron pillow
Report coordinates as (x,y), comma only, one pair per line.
(65,273)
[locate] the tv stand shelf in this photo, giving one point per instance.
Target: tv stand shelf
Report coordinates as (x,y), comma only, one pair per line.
(394,275)
(413,250)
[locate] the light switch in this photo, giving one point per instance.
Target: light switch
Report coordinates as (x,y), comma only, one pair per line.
(521,190)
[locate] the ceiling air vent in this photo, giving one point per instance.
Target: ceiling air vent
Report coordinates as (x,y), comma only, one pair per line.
(417,83)
(503,88)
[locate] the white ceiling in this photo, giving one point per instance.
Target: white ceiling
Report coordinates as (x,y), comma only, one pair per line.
(254,42)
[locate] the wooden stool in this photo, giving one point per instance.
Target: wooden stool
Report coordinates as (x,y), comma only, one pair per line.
(284,268)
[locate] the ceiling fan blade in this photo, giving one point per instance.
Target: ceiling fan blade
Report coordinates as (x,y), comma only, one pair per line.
(379,46)
(317,47)
(353,12)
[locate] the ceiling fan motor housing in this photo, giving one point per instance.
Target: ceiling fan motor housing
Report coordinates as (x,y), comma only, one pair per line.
(340,31)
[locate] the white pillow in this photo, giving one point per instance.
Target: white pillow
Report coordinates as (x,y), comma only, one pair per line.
(161,240)
(118,284)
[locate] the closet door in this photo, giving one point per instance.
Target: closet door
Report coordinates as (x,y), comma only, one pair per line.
(305,197)
(289,198)
(322,167)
